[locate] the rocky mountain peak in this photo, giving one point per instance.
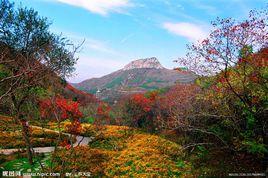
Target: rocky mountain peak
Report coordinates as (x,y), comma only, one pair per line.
(144,63)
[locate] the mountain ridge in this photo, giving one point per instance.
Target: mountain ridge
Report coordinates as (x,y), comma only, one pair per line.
(138,76)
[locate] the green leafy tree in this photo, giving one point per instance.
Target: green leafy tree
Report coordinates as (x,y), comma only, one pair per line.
(30,57)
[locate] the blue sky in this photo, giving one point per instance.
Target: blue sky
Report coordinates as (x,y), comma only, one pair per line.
(119,31)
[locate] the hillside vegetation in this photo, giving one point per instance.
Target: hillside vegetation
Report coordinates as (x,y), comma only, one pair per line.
(115,151)
(124,82)
(210,125)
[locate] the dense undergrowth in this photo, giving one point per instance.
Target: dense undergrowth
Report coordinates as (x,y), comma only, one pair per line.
(212,127)
(120,151)
(11,135)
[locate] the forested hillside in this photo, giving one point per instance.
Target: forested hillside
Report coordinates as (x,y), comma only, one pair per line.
(137,77)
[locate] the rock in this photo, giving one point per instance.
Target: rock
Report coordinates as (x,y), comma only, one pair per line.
(144,63)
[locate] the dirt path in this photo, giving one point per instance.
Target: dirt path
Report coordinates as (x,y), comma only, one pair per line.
(80,140)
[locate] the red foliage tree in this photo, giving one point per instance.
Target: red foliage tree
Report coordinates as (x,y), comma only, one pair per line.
(234,57)
(174,106)
(142,102)
(103,112)
(61,109)
(138,110)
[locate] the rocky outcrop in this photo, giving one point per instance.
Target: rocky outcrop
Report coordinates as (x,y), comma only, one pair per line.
(150,63)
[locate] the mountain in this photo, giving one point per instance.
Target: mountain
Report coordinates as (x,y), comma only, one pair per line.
(81,96)
(137,76)
(150,63)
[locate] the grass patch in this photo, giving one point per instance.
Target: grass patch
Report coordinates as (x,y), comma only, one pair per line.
(19,162)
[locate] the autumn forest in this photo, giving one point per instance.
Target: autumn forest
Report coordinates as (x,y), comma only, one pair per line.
(211,126)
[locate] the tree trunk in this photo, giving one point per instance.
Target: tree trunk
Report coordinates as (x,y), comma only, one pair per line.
(26,137)
(25,125)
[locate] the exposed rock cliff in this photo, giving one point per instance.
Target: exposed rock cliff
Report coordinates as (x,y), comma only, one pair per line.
(150,63)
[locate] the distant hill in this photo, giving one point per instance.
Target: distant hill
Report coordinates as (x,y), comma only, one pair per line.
(81,96)
(138,76)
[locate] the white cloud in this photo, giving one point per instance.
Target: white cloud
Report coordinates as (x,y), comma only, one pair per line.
(88,67)
(90,44)
(98,46)
(209,9)
(190,31)
(96,57)
(102,7)
(127,38)
(103,63)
